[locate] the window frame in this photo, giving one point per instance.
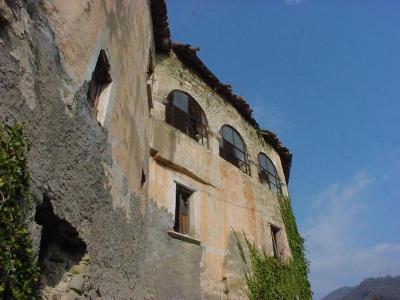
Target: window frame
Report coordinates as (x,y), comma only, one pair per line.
(276,237)
(190,122)
(177,221)
(230,155)
(266,174)
(190,236)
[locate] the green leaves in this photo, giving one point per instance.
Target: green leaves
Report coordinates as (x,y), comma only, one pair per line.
(299,263)
(271,279)
(19,273)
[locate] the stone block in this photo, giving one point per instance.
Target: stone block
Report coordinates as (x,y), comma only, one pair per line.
(78,269)
(71,295)
(77,283)
(66,276)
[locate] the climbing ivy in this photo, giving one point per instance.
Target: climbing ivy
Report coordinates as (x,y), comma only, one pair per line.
(270,278)
(19,273)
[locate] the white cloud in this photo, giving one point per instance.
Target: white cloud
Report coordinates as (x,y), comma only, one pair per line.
(387,247)
(333,234)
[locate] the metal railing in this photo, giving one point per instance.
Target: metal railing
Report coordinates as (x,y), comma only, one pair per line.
(232,154)
(265,178)
(188,124)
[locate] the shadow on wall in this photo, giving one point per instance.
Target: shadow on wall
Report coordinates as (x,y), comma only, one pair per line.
(170,267)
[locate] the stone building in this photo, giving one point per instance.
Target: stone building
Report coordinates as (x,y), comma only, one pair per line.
(143,163)
(213,172)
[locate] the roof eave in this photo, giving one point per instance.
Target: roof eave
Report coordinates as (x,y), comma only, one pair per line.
(162,34)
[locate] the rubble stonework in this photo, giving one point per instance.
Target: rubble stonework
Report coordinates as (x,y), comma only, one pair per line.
(105,187)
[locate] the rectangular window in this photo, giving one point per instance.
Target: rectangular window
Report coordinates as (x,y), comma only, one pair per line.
(276,241)
(150,81)
(182,210)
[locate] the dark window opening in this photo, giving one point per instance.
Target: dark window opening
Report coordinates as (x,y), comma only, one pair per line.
(143,179)
(101,78)
(186,115)
(276,241)
(182,212)
(150,81)
(233,149)
(150,67)
(268,174)
(149,96)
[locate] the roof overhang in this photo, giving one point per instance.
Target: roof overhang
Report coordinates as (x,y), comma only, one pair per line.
(162,35)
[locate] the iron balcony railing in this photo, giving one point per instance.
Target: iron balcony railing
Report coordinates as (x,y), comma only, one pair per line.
(235,156)
(188,124)
(270,179)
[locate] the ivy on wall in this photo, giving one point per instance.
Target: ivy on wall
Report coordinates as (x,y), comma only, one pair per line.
(19,273)
(270,278)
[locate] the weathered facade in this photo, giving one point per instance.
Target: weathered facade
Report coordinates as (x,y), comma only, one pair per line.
(94,82)
(224,198)
(86,163)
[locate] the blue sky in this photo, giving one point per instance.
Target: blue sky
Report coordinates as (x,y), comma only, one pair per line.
(324,76)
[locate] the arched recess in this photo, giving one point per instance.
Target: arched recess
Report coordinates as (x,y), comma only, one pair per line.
(233,149)
(186,115)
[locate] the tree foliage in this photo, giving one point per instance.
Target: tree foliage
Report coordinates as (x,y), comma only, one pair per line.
(19,273)
(270,278)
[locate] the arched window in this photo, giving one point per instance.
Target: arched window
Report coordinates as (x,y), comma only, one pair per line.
(268,174)
(233,149)
(185,114)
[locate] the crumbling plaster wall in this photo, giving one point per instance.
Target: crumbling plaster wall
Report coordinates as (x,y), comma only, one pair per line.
(123,29)
(225,198)
(90,174)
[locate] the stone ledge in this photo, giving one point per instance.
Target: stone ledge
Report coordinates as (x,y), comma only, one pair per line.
(166,162)
(183,237)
